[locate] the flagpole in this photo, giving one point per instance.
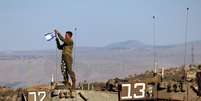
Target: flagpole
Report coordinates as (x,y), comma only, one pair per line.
(56,62)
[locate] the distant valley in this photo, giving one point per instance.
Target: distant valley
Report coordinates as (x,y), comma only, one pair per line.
(24,68)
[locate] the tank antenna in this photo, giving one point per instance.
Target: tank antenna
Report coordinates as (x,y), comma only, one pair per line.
(154,45)
(186,35)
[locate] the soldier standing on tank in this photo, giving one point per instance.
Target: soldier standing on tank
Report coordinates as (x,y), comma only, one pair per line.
(67,58)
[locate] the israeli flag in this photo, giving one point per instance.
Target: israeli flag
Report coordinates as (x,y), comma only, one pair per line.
(49,36)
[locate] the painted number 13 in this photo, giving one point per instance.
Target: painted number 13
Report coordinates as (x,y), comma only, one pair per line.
(135,96)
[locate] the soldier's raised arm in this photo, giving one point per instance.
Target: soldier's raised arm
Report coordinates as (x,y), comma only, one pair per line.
(59,35)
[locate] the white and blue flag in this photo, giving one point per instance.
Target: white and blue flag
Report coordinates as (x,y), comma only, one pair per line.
(49,36)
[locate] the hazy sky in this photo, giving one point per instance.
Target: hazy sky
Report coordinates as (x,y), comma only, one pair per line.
(99,22)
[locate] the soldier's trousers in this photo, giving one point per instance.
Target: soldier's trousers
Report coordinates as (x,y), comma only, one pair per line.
(68,70)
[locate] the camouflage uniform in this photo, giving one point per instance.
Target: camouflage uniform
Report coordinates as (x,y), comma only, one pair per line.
(67,58)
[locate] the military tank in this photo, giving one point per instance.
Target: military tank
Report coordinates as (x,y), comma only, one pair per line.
(174,84)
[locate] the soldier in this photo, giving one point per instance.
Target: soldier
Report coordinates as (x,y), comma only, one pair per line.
(67,58)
